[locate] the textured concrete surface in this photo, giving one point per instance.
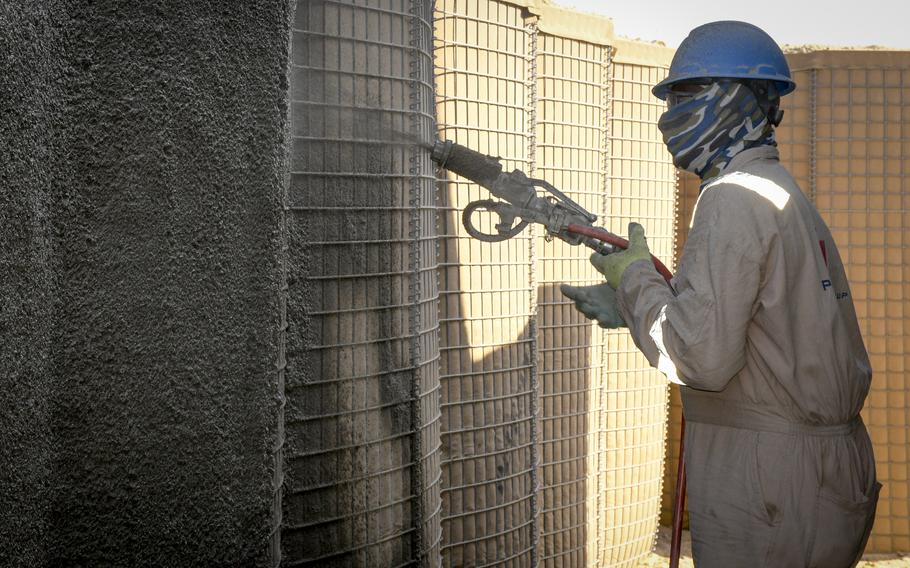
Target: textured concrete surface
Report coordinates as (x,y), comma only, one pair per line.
(141,268)
(30,108)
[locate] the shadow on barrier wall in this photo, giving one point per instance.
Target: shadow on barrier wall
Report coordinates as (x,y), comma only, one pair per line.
(515,481)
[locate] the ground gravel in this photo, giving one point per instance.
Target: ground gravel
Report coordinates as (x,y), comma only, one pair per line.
(660,557)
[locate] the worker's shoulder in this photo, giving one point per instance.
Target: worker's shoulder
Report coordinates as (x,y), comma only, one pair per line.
(764,184)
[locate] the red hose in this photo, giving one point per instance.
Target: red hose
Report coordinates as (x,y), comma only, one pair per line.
(680,498)
(610,238)
(679,502)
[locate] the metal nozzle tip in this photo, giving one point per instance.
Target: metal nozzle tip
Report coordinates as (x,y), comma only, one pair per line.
(441,151)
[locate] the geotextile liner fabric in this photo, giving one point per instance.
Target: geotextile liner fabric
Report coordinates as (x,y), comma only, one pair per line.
(844,138)
(571,120)
(602,408)
(362,385)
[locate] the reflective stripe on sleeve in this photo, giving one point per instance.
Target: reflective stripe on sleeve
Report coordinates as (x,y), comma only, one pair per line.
(664,364)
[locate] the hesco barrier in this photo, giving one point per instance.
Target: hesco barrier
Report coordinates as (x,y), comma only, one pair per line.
(534,396)
(573,85)
(487,309)
(142,174)
(642,188)
(844,138)
(362,381)
(551,429)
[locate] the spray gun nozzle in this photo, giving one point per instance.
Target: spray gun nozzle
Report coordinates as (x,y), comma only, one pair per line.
(441,151)
(477,167)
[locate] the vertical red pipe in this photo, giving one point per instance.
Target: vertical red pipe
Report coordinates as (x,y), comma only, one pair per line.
(679,503)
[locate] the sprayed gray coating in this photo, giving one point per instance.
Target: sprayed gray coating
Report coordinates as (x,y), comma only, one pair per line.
(30,108)
(363,373)
(143,170)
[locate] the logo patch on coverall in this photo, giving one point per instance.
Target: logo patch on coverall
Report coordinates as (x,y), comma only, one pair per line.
(827,283)
(837,295)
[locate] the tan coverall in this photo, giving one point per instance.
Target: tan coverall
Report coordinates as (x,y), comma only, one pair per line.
(763,334)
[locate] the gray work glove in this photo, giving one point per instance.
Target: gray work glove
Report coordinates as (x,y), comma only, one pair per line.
(596,303)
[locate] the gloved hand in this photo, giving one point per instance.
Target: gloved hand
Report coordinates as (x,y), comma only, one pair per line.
(596,303)
(613,265)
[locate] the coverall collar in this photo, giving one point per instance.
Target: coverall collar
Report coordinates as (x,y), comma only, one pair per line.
(741,160)
(750,155)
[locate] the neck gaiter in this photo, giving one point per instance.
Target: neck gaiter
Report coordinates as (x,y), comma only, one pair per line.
(705,132)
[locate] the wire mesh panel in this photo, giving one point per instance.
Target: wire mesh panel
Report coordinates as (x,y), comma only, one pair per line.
(642,187)
(571,144)
(795,135)
(362,381)
(851,122)
(486,289)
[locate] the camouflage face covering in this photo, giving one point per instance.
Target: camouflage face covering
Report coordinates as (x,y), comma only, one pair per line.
(705,130)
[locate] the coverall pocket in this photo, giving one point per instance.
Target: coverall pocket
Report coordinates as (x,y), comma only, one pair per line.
(842,528)
(771,470)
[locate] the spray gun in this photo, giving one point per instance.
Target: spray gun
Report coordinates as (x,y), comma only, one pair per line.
(520,200)
(561,217)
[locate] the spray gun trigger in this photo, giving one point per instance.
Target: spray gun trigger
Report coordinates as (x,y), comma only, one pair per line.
(564,200)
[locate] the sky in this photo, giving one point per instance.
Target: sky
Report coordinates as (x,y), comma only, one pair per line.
(797,22)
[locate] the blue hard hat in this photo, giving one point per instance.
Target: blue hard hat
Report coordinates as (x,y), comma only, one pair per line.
(728,50)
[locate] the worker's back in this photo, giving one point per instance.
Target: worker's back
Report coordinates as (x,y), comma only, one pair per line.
(785,428)
(805,357)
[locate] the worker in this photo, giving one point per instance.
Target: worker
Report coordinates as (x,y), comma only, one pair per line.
(759,329)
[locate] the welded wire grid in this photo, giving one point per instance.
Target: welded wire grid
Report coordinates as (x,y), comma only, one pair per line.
(487,341)
(571,148)
(795,135)
(642,188)
(533,322)
(861,189)
(362,381)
